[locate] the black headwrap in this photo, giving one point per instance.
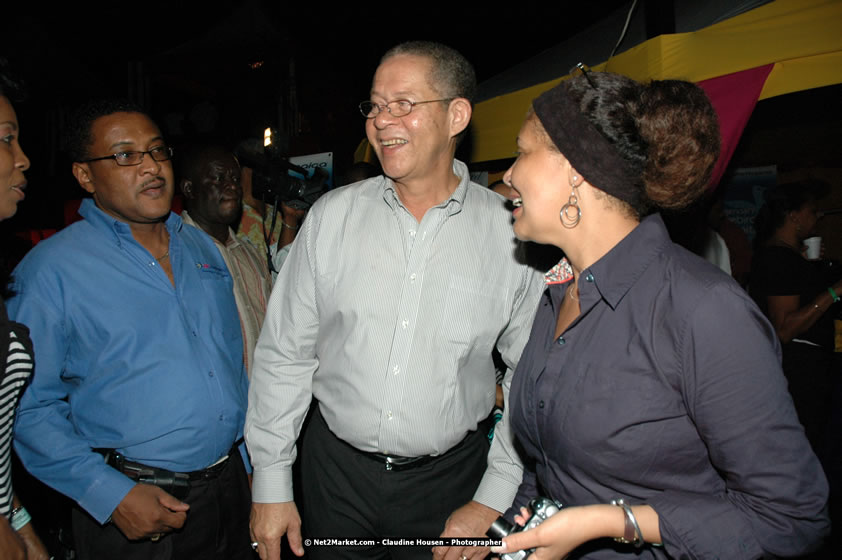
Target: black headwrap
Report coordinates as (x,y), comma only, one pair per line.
(587,150)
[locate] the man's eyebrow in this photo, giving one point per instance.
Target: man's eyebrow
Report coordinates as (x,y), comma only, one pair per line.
(129,142)
(398,94)
(12,124)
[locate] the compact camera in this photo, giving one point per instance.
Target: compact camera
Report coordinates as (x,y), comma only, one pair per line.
(540,509)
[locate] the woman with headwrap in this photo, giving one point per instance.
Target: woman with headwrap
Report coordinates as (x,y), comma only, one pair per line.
(649,400)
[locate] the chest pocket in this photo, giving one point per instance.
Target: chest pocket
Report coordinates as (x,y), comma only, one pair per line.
(472,313)
(219,291)
(209,272)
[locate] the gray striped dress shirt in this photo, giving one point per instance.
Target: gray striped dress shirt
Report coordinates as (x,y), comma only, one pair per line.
(390,324)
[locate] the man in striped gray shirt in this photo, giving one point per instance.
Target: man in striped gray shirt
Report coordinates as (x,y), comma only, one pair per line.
(386,312)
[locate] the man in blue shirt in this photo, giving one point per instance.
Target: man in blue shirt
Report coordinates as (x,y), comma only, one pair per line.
(139,359)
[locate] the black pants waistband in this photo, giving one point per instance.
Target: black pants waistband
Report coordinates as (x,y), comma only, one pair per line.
(398,462)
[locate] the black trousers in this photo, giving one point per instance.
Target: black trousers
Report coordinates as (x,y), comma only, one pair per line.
(811,376)
(217,526)
(347,494)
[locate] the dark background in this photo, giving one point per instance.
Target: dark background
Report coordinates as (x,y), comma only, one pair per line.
(225,70)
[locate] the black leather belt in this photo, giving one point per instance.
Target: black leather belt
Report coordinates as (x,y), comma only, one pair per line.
(174,483)
(397,463)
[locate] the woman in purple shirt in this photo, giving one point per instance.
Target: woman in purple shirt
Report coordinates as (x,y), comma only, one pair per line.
(649,400)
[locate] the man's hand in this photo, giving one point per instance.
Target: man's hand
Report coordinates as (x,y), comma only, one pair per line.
(147,511)
(292,216)
(11,546)
(471,520)
(269,522)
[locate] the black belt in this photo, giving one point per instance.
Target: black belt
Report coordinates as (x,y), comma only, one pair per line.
(174,483)
(398,463)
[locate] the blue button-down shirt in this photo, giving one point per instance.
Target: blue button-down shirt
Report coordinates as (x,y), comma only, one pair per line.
(124,359)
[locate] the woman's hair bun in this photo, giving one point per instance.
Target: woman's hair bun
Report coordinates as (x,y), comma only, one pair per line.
(681,127)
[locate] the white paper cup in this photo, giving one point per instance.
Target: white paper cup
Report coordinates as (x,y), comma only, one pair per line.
(814,247)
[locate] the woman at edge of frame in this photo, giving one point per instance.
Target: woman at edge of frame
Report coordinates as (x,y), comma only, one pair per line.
(649,399)
(17,536)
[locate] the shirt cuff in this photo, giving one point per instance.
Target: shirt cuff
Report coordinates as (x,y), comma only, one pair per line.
(723,533)
(272,487)
(104,495)
(495,492)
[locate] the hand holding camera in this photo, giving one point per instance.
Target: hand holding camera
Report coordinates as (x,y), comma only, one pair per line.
(540,510)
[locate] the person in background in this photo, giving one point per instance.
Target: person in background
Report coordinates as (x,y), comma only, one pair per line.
(504,190)
(799,299)
(210,182)
(253,225)
(18,539)
(258,216)
(736,240)
(649,399)
(291,218)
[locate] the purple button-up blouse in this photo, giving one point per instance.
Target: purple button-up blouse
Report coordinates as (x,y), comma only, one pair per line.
(667,390)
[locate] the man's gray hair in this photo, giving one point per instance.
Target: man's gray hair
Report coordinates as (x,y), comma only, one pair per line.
(452,75)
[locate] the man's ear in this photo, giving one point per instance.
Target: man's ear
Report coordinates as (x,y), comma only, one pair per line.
(460,115)
(186,186)
(82,172)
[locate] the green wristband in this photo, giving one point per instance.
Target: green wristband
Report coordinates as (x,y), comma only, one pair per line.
(833,294)
(20,517)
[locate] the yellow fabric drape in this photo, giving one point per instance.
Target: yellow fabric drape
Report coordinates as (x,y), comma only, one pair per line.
(803,38)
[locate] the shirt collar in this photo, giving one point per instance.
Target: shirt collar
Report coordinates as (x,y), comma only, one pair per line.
(107,223)
(453,203)
(232,240)
(559,274)
(619,269)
